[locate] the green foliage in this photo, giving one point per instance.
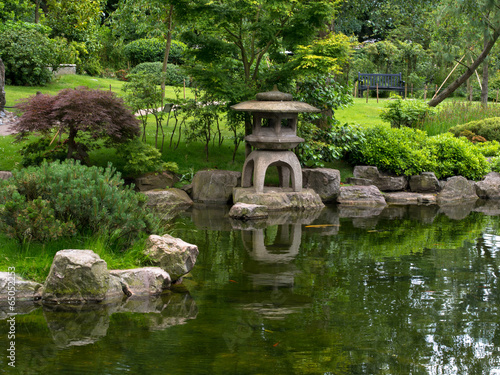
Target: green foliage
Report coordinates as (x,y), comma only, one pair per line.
(27,51)
(90,199)
(32,220)
(141,158)
(450,114)
(152,50)
(323,146)
(453,156)
(34,153)
(324,93)
(491,148)
(488,128)
(400,151)
(409,152)
(407,113)
(495,164)
(174,75)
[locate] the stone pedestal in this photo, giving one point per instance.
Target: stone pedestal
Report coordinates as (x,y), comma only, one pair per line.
(257,163)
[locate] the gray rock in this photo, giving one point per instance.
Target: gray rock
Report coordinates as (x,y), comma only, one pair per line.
(361,195)
(169,198)
(76,276)
(215,186)
(4,175)
(19,288)
(409,198)
(359,181)
(384,181)
(489,188)
(324,181)
(278,199)
(153,181)
(244,211)
(457,189)
(143,281)
(173,255)
(426,182)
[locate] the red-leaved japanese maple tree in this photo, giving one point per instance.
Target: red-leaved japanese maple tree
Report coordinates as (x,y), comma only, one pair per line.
(79,112)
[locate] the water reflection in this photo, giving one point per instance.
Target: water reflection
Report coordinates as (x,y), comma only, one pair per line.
(410,290)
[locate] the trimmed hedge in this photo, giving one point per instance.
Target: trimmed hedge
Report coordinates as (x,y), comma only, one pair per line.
(175,76)
(153,49)
(488,128)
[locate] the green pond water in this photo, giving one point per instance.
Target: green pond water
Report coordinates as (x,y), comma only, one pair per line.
(406,290)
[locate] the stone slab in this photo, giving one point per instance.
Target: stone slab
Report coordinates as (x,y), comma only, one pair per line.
(276,199)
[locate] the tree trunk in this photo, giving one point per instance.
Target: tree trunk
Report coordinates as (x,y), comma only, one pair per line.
(460,80)
(484,85)
(170,13)
(2,86)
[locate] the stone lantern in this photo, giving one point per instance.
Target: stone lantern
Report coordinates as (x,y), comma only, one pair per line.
(274,134)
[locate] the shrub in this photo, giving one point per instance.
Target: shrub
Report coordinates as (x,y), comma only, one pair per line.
(400,151)
(174,75)
(42,149)
(456,157)
(407,113)
(322,146)
(488,148)
(27,51)
(96,114)
(141,158)
(69,195)
(488,128)
(153,49)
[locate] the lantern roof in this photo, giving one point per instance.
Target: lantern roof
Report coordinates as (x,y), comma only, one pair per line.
(274,101)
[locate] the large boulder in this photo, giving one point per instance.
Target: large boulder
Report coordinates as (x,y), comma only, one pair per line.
(456,190)
(425,182)
(384,181)
(143,281)
(169,198)
(151,181)
(173,255)
(215,186)
(489,188)
(279,199)
(361,195)
(13,285)
(324,181)
(76,276)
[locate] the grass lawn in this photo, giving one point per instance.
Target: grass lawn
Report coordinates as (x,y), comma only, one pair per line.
(361,112)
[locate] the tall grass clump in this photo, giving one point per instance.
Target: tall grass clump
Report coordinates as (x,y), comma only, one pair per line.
(454,113)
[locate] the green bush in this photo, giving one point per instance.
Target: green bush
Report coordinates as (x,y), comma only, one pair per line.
(453,156)
(488,128)
(27,51)
(140,158)
(322,146)
(41,149)
(495,164)
(400,151)
(68,195)
(153,49)
(409,113)
(488,148)
(174,74)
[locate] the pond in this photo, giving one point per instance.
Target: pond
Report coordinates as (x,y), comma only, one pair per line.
(406,290)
